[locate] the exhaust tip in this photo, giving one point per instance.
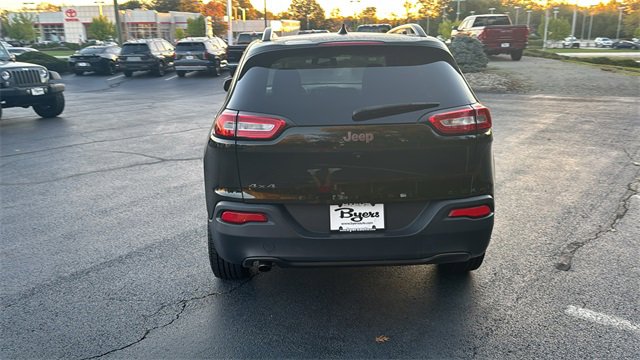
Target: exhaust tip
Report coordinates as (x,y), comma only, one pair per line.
(264,267)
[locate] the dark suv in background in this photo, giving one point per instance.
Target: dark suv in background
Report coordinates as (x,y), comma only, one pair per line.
(154,55)
(348,149)
(101,59)
(201,54)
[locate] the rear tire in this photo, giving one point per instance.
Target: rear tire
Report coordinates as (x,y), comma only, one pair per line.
(223,269)
(110,68)
(462,267)
(516,55)
(181,73)
(79,72)
(52,108)
(128,73)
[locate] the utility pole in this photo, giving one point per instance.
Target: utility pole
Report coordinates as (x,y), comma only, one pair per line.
(529,17)
(265,14)
(584,20)
(590,26)
(458,12)
(117,18)
(517,13)
(619,23)
(573,23)
(546,28)
(230,20)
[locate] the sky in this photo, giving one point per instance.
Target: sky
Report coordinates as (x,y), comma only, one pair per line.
(347,7)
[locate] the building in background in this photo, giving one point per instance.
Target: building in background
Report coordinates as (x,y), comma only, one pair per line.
(71,24)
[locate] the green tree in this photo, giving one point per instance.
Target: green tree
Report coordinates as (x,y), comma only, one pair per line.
(309,12)
(180,34)
(20,27)
(558,29)
(101,28)
(195,27)
(369,15)
(165,5)
(444,29)
(133,4)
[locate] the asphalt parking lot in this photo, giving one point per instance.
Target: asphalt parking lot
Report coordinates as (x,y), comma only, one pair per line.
(103,228)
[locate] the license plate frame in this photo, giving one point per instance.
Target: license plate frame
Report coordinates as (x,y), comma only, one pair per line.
(134,58)
(356,217)
(37,91)
(84,64)
(189,57)
(505,45)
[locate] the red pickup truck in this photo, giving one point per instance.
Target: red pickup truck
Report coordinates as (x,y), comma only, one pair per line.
(496,33)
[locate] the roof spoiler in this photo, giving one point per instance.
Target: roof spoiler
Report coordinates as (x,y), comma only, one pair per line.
(269,35)
(408,29)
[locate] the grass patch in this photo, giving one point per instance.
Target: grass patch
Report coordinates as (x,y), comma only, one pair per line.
(600,50)
(58,52)
(600,60)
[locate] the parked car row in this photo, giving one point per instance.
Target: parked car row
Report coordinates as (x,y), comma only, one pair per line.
(154,55)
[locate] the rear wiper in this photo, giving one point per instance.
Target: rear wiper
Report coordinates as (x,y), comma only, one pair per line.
(374,112)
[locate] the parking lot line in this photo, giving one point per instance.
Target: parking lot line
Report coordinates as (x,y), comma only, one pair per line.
(171,78)
(115,77)
(602,319)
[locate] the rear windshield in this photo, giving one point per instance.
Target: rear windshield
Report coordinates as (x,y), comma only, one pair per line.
(492,20)
(92,50)
(248,38)
(134,49)
(324,85)
(190,46)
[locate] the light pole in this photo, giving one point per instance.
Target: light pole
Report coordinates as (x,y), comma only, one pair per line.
(458,11)
(355,10)
(546,28)
(117,17)
(529,17)
(584,20)
(619,23)
(265,14)
(590,26)
(517,8)
(573,22)
(100,3)
(555,13)
(230,21)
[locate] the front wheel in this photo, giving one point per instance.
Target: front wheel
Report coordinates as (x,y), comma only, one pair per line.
(160,70)
(79,72)
(110,68)
(181,73)
(51,108)
(462,267)
(128,73)
(223,269)
(516,55)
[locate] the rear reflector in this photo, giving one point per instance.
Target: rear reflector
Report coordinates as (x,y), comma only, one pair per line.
(471,212)
(234,125)
(462,122)
(237,217)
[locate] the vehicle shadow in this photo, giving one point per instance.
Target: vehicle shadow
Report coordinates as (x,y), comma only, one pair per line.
(340,312)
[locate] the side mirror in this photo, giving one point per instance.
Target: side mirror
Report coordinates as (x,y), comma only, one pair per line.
(227,83)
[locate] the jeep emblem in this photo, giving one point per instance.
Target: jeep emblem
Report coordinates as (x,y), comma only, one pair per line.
(358,137)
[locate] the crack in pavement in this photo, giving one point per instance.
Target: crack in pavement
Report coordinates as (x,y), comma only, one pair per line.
(569,251)
(93,172)
(182,305)
(97,142)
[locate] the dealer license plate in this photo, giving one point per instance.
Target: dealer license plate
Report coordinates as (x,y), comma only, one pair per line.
(133,58)
(37,91)
(83,64)
(505,44)
(356,217)
(189,57)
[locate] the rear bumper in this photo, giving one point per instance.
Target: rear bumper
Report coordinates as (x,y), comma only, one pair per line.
(431,237)
(139,66)
(194,65)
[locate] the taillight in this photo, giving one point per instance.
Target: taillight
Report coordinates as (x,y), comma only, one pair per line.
(205,55)
(462,122)
(235,125)
(238,217)
(481,36)
(471,212)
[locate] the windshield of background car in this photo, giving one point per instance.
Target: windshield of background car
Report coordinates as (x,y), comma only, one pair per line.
(190,46)
(324,85)
(135,49)
(248,38)
(92,50)
(4,54)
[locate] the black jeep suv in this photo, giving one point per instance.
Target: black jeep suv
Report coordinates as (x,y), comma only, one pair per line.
(24,85)
(154,55)
(348,149)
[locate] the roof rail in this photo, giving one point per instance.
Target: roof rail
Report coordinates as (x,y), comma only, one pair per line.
(268,34)
(408,29)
